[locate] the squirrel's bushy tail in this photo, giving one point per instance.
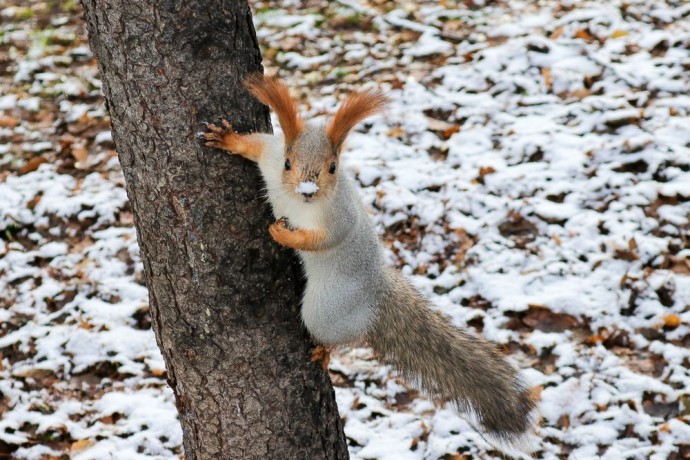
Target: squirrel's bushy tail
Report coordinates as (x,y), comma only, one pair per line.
(453,365)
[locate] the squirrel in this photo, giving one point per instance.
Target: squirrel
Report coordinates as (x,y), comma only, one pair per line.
(351,293)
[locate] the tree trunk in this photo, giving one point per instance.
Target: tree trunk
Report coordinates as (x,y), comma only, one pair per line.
(224,298)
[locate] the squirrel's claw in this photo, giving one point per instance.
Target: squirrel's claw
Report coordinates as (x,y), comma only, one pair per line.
(213,144)
(216,129)
(218,137)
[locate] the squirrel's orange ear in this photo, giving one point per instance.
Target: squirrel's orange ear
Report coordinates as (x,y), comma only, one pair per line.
(357,107)
(275,94)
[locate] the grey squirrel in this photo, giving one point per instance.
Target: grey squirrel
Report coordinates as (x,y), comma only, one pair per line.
(351,294)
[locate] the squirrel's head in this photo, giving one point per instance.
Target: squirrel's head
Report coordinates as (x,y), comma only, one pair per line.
(312,152)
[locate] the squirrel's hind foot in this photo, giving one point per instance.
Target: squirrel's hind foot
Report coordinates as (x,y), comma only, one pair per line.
(321,354)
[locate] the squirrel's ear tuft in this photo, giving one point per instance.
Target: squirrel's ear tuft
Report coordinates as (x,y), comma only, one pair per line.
(357,107)
(275,94)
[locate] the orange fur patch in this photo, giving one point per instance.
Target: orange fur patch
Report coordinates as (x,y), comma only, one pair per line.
(357,107)
(275,94)
(301,239)
(248,145)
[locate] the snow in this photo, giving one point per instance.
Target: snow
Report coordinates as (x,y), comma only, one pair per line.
(306,187)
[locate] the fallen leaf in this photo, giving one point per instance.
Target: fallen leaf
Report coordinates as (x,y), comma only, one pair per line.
(563,421)
(679,265)
(31,204)
(548,321)
(546,75)
(619,33)
(395,132)
(518,229)
(81,445)
(8,122)
(158,372)
(486,170)
(32,165)
(535,393)
(450,131)
(583,34)
(630,254)
(79,153)
(557,33)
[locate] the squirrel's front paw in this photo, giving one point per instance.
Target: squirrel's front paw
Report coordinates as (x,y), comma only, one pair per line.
(278,228)
(221,137)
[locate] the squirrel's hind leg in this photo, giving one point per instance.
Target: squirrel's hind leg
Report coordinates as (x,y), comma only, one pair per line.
(249,146)
(321,354)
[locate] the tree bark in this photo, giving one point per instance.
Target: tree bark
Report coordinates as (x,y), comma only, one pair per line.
(224,299)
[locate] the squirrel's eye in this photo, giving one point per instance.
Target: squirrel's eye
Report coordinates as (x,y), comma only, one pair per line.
(331,170)
(288,165)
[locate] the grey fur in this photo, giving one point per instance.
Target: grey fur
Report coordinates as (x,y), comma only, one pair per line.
(352,295)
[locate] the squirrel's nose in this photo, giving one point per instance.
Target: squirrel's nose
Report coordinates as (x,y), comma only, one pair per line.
(307,188)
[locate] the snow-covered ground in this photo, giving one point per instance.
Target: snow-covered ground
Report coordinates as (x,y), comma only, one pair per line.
(532,176)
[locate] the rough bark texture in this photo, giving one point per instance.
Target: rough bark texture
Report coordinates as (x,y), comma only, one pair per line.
(224,298)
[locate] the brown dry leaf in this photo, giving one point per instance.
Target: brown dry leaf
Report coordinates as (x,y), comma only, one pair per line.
(32,165)
(455,456)
(486,170)
(557,33)
(584,35)
(8,122)
(518,229)
(450,131)
(546,75)
(594,339)
(679,265)
(563,421)
(421,438)
(535,393)
(483,171)
(672,321)
(158,372)
(81,245)
(31,204)
(395,132)
(466,243)
(619,33)
(79,153)
(548,321)
(630,254)
(580,93)
(81,445)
